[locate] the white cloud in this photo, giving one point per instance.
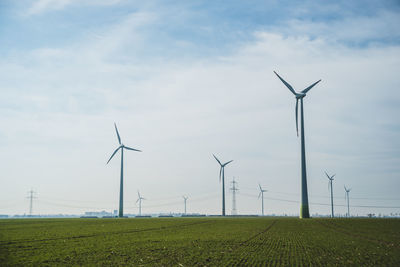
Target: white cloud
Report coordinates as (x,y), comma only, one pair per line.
(355,29)
(42,6)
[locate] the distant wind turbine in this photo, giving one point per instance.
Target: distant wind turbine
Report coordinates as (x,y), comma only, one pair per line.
(346,197)
(331,186)
(121,185)
(261,194)
(184,200)
(304,209)
(140,198)
(222,173)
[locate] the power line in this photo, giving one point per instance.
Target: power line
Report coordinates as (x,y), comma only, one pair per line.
(326,204)
(195,199)
(200,198)
(321,196)
(68,206)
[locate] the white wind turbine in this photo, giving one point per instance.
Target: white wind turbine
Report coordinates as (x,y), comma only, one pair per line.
(222,174)
(140,198)
(261,194)
(346,197)
(331,187)
(185,198)
(304,208)
(121,184)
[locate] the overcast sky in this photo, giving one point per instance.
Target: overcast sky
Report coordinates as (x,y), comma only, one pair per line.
(185,79)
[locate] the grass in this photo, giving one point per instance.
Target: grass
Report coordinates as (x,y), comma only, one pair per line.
(200,242)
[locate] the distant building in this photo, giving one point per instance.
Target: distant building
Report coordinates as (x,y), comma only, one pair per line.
(98,213)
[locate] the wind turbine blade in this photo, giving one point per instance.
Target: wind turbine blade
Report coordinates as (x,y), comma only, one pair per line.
(138,194)
(119,138)
(332,176)
(309,88)
(113,154)
(129,148)
(285,83)
(259,195)
(227,163)
(260,187)
(217,160)
(297,119)
(328,176)
(220,173)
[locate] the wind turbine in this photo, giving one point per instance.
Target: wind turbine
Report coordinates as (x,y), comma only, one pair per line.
(346,196)
(184,200)
(121,184)
(140,198)
(222,173)
(330,185)
(304,209)
(262,191)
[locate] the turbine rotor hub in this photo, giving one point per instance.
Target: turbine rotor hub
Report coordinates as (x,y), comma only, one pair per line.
(300,96)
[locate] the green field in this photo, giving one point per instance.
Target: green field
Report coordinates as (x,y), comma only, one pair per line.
(200,241)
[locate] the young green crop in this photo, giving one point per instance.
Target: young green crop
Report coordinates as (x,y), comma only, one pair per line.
(200,242)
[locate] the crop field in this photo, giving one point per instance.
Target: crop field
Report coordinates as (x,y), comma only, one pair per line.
(211,241)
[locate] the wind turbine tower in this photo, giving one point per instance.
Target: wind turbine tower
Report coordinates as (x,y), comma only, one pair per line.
(31,197)
(234,189)
(222,174)
(140,198)
(331,187)
(304,208)
(346,196)
(184,200)
(261,194)
(121,183)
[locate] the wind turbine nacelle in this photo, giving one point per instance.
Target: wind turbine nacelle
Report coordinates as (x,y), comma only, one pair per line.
(300,95)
